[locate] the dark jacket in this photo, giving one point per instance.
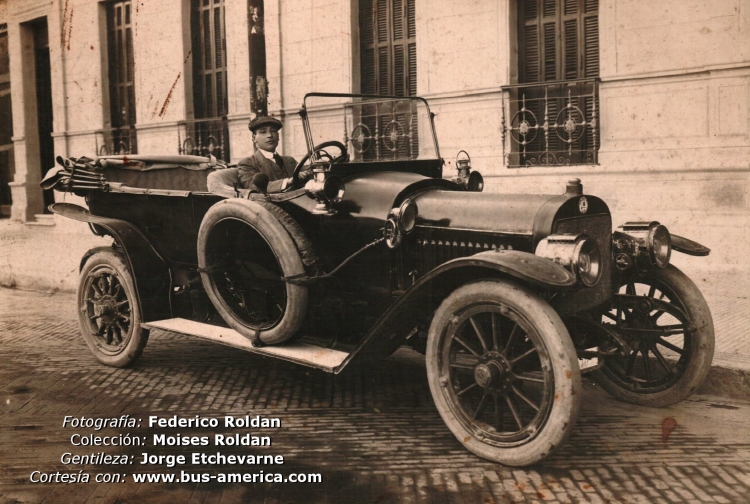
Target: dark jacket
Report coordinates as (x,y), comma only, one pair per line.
(257,163)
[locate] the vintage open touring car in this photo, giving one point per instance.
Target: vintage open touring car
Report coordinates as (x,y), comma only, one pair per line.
(510,296)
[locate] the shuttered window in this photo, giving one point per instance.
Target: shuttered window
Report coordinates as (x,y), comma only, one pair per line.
(119,136)
(208,132)
(7,169)
(553,110)
(558,40)
(388,47)
(121,64)
(209,58)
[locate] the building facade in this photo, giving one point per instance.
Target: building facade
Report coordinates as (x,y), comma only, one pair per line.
(648,103)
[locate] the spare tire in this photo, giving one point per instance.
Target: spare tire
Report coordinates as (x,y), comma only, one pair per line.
(245,251)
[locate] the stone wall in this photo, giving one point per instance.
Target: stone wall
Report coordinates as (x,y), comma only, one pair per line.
(674,95)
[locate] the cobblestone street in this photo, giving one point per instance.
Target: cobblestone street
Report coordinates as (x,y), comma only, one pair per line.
(372,432)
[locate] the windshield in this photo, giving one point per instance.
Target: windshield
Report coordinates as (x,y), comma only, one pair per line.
(373,128)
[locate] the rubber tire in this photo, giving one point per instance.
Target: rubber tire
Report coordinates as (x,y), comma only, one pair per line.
(107,259)
(699,364)
(567,376)
(266,224)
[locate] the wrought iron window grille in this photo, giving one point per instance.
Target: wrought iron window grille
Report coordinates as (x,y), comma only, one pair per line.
(116,141)
(203,137)
(385,131)
(551,123)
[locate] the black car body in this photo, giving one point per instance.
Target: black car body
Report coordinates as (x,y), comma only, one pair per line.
(509,295)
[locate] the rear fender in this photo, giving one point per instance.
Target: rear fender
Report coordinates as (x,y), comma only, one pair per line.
(151,273)
(419,302)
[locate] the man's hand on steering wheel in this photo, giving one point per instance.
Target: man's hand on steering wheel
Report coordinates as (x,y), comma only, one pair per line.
(298,178)
(305,175)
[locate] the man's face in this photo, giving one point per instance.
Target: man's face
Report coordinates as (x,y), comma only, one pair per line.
(267,138)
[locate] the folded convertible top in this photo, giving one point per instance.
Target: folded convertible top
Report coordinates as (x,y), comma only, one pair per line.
(147,163)
(181,174)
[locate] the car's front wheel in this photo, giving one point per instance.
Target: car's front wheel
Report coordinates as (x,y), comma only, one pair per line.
(108,311)
(503,372)
(664,318)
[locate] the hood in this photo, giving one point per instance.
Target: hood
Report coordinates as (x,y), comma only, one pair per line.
(369,198)
(524,214)
(373,195)
(510,213)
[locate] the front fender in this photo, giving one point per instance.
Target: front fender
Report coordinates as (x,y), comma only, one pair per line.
(524,266)
(689,247)
(419,302)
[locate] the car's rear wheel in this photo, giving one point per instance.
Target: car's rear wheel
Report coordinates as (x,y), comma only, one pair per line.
(245,253)
(665,319)
(108,310)
(503,372)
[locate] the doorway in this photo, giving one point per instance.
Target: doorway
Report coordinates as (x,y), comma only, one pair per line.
(7,170)
(43,83)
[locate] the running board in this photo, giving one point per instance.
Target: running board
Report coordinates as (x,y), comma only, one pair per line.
(326,359)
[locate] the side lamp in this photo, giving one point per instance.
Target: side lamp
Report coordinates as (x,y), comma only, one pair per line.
(470,180)
(641,244)
(326,189)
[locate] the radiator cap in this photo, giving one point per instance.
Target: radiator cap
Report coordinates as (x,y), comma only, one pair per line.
(574,187)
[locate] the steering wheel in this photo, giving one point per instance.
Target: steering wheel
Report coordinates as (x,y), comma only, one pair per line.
(320,149)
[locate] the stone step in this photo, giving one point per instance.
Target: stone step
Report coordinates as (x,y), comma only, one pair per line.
(42,220)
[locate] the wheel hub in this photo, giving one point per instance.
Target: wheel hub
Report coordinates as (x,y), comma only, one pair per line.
(107,309)
(493,373)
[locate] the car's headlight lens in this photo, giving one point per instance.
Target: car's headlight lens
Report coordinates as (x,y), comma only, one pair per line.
(588,262)
(407,216)
(577,253)
(659,246)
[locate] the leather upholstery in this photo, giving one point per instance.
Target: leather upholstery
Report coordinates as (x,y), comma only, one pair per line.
(222,183)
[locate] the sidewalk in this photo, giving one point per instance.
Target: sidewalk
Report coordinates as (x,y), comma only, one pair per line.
(43,258)
(728,296)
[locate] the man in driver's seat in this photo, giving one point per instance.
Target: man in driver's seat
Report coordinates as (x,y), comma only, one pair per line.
(279,169)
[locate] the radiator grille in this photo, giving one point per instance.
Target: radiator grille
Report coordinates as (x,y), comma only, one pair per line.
(432,253)
(599,228)
(432,247)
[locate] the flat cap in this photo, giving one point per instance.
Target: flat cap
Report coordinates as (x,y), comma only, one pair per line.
(264,121)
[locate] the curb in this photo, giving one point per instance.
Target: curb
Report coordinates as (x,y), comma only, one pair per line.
(727,382)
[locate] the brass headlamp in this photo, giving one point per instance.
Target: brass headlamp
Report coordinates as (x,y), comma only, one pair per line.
(470,180)
(643,244)
(579,254)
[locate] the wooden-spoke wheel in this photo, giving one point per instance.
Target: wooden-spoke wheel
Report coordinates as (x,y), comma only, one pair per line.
(496,373)
(503,372)
(108,313)
(664,318)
